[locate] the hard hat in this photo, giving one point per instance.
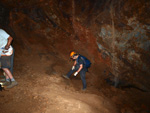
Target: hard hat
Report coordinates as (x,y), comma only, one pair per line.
(72,53)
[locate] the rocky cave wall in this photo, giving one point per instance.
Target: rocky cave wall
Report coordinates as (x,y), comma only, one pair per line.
(116,33)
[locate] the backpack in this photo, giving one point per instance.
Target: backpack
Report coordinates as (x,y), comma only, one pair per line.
(86,61)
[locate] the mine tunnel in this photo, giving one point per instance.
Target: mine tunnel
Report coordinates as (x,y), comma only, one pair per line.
(113,34)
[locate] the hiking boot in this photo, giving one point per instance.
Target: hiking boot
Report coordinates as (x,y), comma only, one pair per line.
(2,80)
(6,83)
(65,77)
(13,83)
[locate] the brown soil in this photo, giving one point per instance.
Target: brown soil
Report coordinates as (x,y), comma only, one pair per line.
(41,89)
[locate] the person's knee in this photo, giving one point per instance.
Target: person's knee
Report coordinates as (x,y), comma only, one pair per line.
(5,69)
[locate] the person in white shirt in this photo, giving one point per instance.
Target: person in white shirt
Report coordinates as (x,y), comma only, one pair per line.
(6,51)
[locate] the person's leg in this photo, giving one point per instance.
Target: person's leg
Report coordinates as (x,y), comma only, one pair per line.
(72,71)
(6,76)
(82,75)
(7,81)
(8,73)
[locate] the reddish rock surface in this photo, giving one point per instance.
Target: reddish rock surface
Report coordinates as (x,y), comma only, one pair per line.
(114,35)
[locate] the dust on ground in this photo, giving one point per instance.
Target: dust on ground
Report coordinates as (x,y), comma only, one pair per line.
(41,89)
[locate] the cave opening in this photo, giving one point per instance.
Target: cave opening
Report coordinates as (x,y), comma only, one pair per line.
(113,35)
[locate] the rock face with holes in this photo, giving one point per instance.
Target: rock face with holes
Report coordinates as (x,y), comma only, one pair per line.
(116,33)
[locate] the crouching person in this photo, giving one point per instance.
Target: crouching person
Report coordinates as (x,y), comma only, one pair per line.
(6,51)
(81,65)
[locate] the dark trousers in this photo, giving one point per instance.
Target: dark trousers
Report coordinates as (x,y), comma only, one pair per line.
(11,62)
(82,74)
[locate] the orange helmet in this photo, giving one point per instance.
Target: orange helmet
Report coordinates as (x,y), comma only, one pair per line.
(72,53)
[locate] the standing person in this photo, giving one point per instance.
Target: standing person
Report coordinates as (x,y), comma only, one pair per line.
(81,65)
(6,51)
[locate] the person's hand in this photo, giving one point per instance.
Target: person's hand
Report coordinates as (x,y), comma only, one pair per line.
(73,67)
(6,47)
(75,74)
(5,51)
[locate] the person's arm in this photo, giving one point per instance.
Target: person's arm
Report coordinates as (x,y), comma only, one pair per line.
(80,68)
(7,52)
(10,52)
(8,42)
(73,67)
(75,62)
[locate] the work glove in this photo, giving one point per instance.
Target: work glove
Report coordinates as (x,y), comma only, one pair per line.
(73,67)
(75,74)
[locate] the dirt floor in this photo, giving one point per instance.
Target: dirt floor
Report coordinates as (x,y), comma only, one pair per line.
(42,89)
